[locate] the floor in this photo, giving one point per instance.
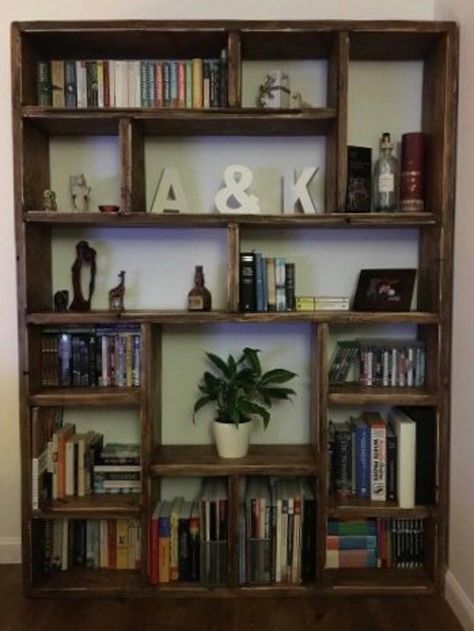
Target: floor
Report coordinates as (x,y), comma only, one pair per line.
(341,614)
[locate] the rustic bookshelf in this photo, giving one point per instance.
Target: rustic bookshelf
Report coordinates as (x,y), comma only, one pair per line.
(337,44)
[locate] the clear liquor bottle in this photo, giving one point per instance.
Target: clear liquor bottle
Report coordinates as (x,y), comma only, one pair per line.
(386,178)
(199,298)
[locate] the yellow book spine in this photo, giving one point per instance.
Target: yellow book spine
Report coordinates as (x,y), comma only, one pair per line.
(197,83)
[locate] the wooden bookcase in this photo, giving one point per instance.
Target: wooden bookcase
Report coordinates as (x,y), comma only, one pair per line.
(338,43)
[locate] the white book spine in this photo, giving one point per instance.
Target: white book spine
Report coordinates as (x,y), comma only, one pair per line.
(378,461)
(406,461)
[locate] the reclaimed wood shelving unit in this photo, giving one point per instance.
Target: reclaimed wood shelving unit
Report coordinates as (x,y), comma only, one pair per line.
(337,42)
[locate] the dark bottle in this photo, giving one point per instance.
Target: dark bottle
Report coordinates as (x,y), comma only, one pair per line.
(199,298)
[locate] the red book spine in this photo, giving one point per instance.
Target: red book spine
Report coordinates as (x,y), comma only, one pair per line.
(106,84)
(412,173)
(181,84)
(158,84)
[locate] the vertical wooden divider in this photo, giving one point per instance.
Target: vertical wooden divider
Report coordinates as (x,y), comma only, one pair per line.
(150,423)
(132,163)
(336,148)
(235,69)
(320,386)
(233,531)
(233,250)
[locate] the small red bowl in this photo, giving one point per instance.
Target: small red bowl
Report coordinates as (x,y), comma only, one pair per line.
(109,208)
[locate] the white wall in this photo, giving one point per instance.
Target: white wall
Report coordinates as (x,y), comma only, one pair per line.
(460,579)
(49,9)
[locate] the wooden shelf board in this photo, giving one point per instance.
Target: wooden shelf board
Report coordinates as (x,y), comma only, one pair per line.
(378,581)
(189,460)
(93,397)
(179,122)
(354,394)
(87,582)
(177,590)
(361,509)
(216,220)
(100,506)
(192,318)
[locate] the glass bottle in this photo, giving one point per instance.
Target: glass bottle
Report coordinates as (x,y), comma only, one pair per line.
(199,298)
(386,178)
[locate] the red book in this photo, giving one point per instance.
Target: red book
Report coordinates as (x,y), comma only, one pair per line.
(412,173)
(158,84)
(181,84)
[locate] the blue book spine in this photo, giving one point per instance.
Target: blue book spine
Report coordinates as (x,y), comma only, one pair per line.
(174,83)
(362,461)
(143,86)
(357,542)
(259,274)
(150,83)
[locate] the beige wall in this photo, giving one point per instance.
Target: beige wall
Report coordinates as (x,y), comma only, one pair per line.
(461,547)
(48,9)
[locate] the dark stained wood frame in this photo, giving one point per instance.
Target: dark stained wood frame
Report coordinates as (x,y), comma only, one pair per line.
(338,42)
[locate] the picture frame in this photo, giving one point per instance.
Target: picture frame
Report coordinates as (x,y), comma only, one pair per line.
(384,290)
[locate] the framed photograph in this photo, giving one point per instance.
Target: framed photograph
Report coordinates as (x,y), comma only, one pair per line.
(384,290)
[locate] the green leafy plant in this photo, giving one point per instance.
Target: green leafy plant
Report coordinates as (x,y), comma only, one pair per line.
(240,389)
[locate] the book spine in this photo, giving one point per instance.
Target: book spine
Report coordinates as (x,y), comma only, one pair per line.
(100,84)
(378,462)
(197,83)
(362,462)
(173,83)
(391,466)
(158,84)
(70,84)
(223,78)
(57,83)
(280,284)
(290,286)
(44,91)
(271,287)
(247,282)
(189,84)
(206,84)
(181,102)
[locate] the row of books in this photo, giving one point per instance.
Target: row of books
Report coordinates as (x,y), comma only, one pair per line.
(91,356)
(193,83)
(113,544)
(384,363)
(266,284)
(66,463)
(375,543)
(381,457)
(188,539)
(278,525)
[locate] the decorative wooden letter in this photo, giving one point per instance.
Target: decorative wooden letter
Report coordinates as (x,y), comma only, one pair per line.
(233,198)
(170,196)
(295,191)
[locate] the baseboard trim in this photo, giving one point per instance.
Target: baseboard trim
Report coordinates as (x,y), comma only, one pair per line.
(459,601)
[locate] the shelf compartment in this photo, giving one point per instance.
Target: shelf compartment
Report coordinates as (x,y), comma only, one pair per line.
(92,397)
(197,460)
(210,220)
(88,583)
(185,317)
(361,509)
(180,122)
(91,506)
(378,581)
(354,394)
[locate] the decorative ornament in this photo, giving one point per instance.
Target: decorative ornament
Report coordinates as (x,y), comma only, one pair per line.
(85,256)
(295,191)
(297,101)
(275,91)
(49,200)
(170,196)
(61,299)
(116,294)
(233,198)
(80,192)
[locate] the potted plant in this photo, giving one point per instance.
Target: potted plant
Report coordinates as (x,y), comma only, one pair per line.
(240,391)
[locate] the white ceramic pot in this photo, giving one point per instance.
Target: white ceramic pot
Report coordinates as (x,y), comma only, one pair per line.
(232,441)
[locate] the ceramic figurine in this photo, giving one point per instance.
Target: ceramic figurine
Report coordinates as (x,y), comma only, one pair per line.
(49,200)
(275,91)
(116,294)
(80,192)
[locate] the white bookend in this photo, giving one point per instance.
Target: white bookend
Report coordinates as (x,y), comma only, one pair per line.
(405,429)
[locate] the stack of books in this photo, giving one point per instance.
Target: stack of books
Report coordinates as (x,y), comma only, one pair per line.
(117,469)
(113,544)
(379,457)
(375,543)
(194,83)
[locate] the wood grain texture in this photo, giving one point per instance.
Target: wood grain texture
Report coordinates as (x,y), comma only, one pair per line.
(87,397)
(322,386)
(90,507)
(354,394)
(359,509)
(233,274)
(209,220)
(234,78)
(189,460)
(132,164)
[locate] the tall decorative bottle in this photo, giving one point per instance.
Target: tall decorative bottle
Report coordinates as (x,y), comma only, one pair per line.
(199,298)
(386,178)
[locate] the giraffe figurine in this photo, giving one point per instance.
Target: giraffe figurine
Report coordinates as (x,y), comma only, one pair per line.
(116,295)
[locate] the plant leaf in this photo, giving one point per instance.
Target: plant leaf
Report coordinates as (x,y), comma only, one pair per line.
(220,363)
(251,355)
(276,393)
(199,404)
(231,366)
(249,407)
(278,375)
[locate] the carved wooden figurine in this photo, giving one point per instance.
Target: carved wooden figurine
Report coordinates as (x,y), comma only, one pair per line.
(116,294)
(85,257)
